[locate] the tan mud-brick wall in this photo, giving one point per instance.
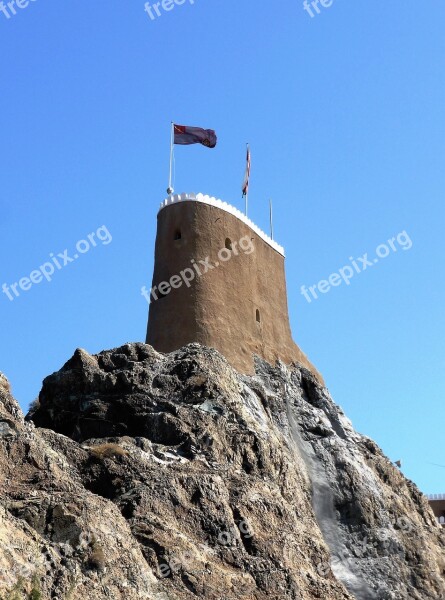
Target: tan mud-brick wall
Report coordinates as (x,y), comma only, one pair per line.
(219,309)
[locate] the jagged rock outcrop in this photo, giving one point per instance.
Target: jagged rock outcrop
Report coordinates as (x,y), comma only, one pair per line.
(139,475)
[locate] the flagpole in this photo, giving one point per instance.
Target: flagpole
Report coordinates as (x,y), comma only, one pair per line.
(247,190)
(271,218)
(170,190)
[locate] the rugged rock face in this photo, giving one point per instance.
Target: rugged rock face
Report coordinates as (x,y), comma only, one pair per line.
(172,477)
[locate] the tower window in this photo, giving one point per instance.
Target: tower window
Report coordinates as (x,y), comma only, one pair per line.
(228,244)
(258,316)
(178,235)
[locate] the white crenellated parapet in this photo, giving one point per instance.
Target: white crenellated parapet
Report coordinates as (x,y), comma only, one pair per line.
(436,496)
(175,198)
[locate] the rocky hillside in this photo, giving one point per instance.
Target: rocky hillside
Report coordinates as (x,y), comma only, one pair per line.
(139,475)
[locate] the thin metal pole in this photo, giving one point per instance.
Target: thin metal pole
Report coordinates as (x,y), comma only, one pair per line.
(248,177)
(170,190)
(271,218)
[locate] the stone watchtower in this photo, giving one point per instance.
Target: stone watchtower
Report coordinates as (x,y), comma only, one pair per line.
(219,280)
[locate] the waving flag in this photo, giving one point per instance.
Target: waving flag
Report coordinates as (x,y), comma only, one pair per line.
(247,175)
(184,136)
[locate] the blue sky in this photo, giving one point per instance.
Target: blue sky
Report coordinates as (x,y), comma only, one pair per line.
(345,116)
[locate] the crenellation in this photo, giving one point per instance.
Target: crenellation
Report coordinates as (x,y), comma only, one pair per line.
(211,201)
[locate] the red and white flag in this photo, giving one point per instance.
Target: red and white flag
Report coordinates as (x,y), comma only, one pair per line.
(184,135)
(247,175)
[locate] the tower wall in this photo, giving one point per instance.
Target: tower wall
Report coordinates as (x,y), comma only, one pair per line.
(240,306)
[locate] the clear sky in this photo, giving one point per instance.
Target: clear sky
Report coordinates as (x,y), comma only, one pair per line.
(344,112)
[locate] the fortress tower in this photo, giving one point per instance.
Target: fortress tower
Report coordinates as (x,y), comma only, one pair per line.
(219,280)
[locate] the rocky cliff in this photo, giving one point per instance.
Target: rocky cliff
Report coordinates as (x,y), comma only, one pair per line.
(139,475)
